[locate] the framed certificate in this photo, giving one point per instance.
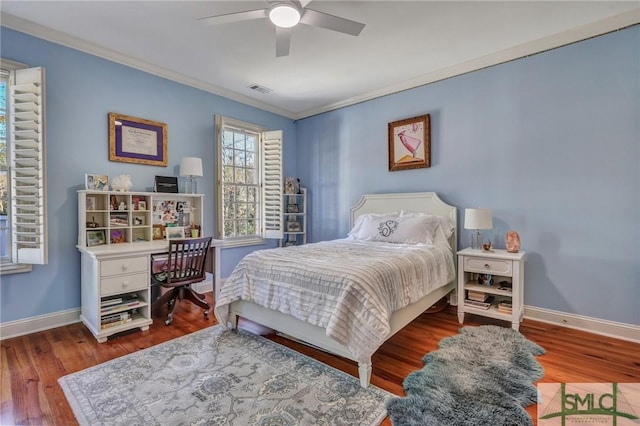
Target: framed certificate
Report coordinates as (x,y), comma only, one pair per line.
(136,140)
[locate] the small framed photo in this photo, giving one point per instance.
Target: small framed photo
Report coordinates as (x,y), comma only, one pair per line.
(138,221)
(96,238)
(96,182)
(292,208)
(293,226)
(158,232)
(142,205)
(92,203)
(174,232)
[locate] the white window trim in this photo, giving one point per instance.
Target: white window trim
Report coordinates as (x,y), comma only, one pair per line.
(220,123)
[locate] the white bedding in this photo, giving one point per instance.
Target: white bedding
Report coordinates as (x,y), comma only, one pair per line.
(348,287)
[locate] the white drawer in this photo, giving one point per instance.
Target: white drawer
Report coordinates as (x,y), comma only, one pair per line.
(124,266)
(123,284)
(488,266)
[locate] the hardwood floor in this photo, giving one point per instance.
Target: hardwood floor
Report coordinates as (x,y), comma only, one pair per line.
(32,364)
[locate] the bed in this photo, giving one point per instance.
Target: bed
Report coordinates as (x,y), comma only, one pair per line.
(291,289)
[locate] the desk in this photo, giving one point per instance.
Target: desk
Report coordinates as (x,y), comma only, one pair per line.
(116,285)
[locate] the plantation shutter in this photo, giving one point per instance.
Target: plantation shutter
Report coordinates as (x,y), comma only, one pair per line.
(272,184)
(27,162)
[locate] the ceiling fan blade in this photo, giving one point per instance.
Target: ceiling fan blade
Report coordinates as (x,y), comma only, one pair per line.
(234,17)
(304,3)
(283,41)
(330,22)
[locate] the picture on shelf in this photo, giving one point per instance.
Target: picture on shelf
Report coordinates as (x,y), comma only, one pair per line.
(142,205)
(92,203)
(158,232)
(138,221)
(96,238)
(174,232)
(292,208)
(96,182)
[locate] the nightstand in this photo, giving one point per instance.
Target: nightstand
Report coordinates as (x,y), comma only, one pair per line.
(491,284)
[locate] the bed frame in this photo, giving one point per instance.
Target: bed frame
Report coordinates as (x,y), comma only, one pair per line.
(427,202)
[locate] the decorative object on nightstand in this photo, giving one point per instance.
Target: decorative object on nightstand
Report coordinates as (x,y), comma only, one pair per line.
(513,242)
(191,167)
(477,219)
(487,247)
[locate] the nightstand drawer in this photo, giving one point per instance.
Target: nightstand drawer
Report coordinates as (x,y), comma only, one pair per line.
(123,284)
(123,266)
(488,266)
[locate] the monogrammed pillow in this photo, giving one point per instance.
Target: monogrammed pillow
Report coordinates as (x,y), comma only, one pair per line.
(406,230)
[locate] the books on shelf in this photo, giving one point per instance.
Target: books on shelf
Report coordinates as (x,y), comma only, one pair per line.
(120,303)
(478,296)
(480,305)
(505,307)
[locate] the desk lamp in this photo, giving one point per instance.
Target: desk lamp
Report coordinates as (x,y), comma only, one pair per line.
(191,167)
(477,219)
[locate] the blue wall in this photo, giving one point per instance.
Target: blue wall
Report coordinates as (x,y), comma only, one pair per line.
(81,90)
(550,143)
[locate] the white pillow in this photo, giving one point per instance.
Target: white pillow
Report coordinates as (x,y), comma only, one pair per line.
(357,226)
(446,224)
(405,230)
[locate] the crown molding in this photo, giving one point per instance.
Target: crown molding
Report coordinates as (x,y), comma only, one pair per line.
(54,36)
(594,29)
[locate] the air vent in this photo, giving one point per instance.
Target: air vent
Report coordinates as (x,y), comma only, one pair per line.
(260,89)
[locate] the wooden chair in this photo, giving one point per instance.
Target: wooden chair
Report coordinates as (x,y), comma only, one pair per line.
(184,265)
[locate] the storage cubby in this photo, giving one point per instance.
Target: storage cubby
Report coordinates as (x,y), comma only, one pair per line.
(112,217)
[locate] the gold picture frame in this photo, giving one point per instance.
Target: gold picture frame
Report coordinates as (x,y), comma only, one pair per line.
(137,140)
(410,143)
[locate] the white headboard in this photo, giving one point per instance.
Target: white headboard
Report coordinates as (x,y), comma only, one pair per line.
(425,202)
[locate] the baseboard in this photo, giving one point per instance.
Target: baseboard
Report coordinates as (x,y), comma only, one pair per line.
(205,286)
(40,323)
(602,327)
(613,329)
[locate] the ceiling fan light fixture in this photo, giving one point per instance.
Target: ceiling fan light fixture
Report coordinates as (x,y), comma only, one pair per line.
(284,15)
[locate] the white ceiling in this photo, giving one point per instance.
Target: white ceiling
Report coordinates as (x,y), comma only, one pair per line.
(404,43)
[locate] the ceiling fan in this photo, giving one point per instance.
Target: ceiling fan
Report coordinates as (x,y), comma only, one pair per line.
(285,15)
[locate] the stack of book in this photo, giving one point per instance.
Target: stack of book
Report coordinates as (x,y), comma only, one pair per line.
(486,304)
(505,307)
(115,319)
(119,303)
(478,296)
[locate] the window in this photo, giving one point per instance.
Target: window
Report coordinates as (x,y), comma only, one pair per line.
(22,168)
(249,182)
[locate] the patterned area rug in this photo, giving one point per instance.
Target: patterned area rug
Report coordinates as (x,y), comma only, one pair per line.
(218,377)
(482,376)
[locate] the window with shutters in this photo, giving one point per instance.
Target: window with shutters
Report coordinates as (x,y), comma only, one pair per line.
(23,237)
(249,182)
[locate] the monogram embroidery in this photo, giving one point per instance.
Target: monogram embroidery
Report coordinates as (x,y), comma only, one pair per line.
(387,228)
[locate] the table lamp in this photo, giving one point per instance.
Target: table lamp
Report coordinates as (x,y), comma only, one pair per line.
(191,167)
(477,219)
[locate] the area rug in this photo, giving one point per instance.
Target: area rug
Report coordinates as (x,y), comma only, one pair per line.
(219,377)
(482,376)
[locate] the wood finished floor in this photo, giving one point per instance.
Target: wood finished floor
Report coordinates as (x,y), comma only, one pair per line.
(31,365)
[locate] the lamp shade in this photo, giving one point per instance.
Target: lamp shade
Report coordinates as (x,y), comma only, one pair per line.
(478,219)
(191,166)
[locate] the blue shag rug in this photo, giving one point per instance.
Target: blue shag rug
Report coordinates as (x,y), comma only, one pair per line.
(482,376)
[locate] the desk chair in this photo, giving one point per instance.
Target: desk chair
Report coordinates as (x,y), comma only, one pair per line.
(185,265)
